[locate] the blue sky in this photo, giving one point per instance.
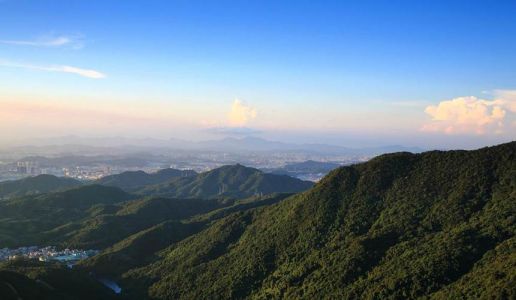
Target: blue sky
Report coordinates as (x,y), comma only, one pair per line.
(304,70)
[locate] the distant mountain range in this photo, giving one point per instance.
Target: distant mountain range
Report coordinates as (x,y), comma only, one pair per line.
(259,144)
(73,144)
(303,169)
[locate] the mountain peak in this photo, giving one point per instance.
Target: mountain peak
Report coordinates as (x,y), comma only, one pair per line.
(234,181)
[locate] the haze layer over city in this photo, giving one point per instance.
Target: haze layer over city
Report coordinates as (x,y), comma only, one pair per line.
(202,85)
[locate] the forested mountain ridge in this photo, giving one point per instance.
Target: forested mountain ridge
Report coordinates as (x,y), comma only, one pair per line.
(97,216)
(35,185)
(232,181)
(134,180)
(399,226)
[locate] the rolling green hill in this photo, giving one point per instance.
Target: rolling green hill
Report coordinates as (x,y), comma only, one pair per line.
(401,226)
(104,230)
(41,219)
(98,217)
(35,185)
(134,180)
(143,246)
(235,181)
(94,216)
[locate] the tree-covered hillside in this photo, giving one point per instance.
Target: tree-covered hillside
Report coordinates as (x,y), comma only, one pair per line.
(52,218)
(436,225)
(98,216)
(163,228)
(35,185)
(235,181)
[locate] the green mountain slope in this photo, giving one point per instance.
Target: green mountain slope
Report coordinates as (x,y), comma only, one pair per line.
(399,226)
(32,220)
(35,185)
(93,216)
(134,180)
(234,181)
(143,246)
(104,230)
(97,216)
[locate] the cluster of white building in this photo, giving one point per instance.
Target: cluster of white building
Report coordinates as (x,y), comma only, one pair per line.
(46,254)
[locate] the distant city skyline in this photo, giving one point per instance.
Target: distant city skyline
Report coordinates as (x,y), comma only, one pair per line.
(347,73)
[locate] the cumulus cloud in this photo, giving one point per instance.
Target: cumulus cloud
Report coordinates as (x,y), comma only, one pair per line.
(56,68)
(240,114)
(506,98)
(470,115)
(48,41)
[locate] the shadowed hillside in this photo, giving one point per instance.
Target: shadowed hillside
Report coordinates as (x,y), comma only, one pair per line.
(31,280)
(46,218)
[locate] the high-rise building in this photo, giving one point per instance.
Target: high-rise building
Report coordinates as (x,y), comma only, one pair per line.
(27,167)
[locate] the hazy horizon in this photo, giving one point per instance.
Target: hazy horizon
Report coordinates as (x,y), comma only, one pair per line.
(180,143)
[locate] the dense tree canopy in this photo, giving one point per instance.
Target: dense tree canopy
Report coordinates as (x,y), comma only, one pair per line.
(399,226)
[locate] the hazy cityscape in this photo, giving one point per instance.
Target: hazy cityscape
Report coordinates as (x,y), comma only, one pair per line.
(46,254)
(89,163)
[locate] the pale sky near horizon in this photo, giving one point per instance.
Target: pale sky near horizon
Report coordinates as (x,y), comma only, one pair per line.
(356,73)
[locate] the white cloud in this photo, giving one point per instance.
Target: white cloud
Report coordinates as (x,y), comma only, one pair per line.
(64,69)
(471,115)
(82,72)
(240,114)
(506,98)
(48,41)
